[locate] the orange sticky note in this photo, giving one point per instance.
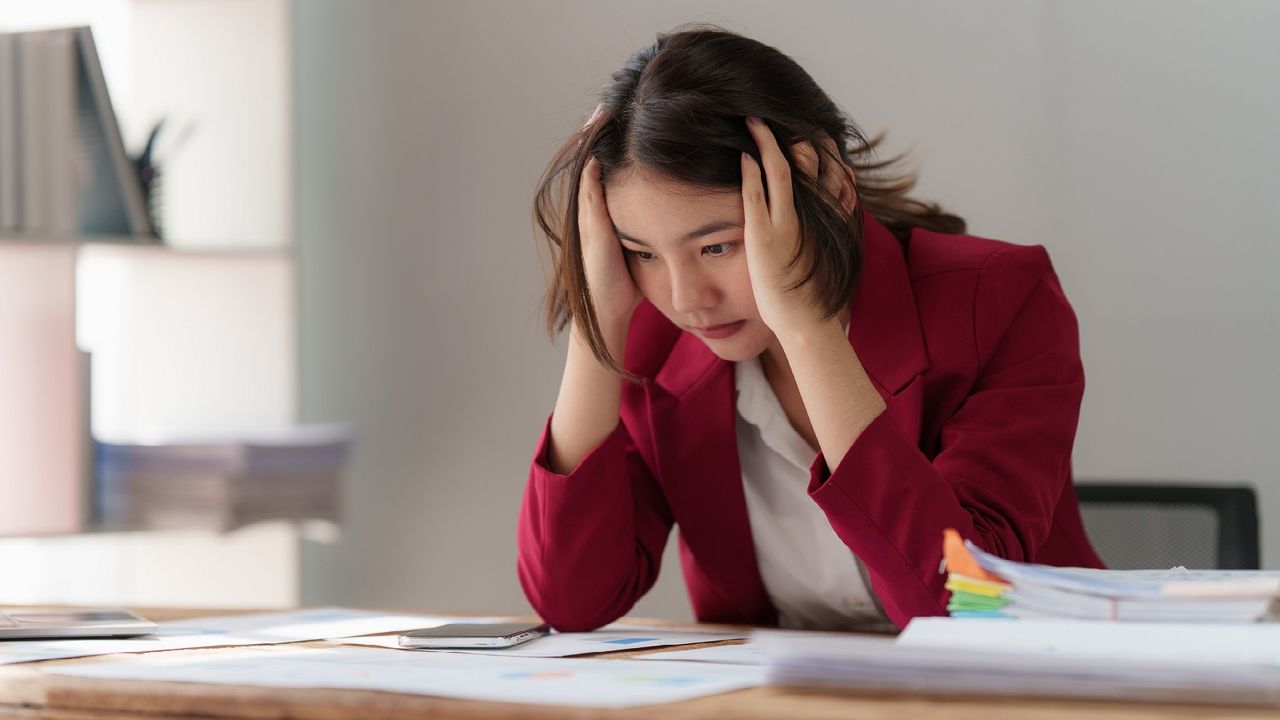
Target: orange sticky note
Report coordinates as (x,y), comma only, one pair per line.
(959,560)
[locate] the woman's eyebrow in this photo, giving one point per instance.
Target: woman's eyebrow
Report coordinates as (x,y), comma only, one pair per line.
(711,227)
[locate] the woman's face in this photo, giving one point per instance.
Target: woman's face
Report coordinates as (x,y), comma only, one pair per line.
(684,248)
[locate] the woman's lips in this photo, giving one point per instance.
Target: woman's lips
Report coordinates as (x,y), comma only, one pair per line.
(719,332)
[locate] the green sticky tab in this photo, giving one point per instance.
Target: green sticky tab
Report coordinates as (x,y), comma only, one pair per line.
(969,601)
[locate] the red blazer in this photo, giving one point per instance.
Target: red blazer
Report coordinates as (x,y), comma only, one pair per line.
(974,348)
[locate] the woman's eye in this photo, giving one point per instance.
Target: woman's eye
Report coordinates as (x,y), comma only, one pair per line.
(717,249)
(640,255)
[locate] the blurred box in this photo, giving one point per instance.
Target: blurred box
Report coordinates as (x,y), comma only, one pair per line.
(220,483)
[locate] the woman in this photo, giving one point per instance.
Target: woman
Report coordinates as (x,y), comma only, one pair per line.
(777,349)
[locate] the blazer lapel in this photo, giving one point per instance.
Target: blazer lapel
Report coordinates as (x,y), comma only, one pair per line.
(693,416)
(884,327)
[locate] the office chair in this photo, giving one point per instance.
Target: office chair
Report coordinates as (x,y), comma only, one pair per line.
(1137,526)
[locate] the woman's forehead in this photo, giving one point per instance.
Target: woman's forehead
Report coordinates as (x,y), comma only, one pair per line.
(648,192)
(656,210)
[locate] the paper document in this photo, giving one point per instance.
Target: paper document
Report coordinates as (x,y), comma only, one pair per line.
(879,664)
(1136,583)
(582,682)
(744,654)
(250,629)
(565,644)
(1197,644)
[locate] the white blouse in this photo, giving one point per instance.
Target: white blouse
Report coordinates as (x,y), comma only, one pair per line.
(813,579)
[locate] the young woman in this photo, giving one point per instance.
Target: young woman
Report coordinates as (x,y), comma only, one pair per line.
(772,346)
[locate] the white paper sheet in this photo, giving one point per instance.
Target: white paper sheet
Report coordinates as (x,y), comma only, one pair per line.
(1202,645)
(565,644)
(251,629)
(879,664)
(675,629)
(745,654)
(1177,582)
(582,682)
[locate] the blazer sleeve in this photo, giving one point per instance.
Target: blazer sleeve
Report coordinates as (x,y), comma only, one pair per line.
(590,543)
(1003,458)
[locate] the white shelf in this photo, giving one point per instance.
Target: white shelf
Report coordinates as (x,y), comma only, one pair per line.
(197,331)
(26,240)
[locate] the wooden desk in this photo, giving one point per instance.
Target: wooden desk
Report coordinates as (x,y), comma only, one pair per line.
(27,693)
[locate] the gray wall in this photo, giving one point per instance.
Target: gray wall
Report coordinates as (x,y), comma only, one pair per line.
(1133,139)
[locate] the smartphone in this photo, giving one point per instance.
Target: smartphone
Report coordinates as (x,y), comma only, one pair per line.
(73,623)
(473,635)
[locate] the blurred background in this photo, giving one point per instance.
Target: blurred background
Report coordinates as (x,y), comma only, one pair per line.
(345,202)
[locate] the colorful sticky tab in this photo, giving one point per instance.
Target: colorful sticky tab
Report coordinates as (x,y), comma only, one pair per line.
(959,560)
(963,601)
(990,614)
(974,586)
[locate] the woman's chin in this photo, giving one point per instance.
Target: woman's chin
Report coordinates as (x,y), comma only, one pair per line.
(736,349)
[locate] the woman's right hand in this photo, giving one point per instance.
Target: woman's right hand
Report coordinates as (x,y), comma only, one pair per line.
(613,292)
(588,407)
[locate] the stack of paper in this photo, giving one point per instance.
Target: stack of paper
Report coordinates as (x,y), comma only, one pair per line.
(220,484)
(972,666)
(984,585)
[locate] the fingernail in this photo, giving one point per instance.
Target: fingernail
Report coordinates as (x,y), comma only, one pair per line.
(753,120)
(746,157)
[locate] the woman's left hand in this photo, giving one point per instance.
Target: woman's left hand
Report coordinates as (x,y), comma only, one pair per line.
(772,236)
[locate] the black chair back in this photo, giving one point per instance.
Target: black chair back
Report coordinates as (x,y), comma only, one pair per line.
(1148,525)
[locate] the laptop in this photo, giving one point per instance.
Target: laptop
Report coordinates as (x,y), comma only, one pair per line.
(72,623)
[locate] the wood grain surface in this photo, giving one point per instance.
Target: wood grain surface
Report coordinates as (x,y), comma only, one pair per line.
(26,692)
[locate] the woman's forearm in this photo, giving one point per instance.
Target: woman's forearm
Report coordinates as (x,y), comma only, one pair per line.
(838,396)
(588,406)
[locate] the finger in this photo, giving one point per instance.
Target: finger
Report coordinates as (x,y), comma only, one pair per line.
(776,169)
(806,158)
(837,176)
(586,127)
(593,214)
(754,204)
(807,161)
(834,169)
(834,172)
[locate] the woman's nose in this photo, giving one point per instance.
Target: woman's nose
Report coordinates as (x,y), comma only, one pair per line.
(691,291)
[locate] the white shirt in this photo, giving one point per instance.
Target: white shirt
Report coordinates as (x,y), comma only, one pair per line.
(812,577)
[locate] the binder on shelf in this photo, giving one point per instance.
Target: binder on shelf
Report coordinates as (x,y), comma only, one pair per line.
(33,134)
(10,215)
(63,167)
(110,201)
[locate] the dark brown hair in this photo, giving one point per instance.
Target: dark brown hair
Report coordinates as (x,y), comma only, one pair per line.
(678,109)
